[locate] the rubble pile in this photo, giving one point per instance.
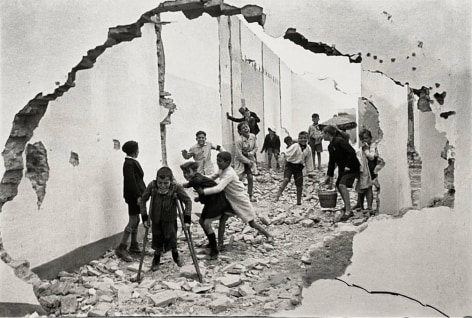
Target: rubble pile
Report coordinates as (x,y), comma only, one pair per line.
(250,276)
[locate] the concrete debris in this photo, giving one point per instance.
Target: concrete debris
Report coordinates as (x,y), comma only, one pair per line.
(163,299)
(101,310)
(221,304)
(249,277)
(230,280)
(69,304)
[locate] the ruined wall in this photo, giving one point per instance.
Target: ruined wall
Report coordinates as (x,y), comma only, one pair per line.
(114,100)
(286,114)
(192,80)
(406,46)
(391,101)
(252,78)
(430,145)
(271,90)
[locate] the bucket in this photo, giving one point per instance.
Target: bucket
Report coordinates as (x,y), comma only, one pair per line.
(327,198)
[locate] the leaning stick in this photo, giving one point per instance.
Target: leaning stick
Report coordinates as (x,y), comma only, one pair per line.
(188,237)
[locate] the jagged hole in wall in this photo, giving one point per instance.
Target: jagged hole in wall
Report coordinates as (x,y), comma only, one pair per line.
(37,169)
(116,144)
(74,159)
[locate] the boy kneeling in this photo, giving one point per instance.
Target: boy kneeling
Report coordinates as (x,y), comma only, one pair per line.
(165,193)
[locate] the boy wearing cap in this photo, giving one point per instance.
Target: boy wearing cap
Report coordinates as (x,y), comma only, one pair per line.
(272,147)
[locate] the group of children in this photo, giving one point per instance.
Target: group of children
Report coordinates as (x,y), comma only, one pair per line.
(223,193)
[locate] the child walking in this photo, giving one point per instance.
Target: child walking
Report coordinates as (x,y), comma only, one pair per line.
(272,147)
(235,193)
(298,156)
(216,205)
(371,163)
(344,156)
(165,193)
(315,136)
(201,153)
(133,188)
(245,157)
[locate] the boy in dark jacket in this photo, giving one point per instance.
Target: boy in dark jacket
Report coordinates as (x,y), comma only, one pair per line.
(163,214)
(248,116)
(216,206)
(272,147)
(133,188)
(344,156)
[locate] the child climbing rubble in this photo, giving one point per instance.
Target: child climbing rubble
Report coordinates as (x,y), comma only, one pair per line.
(163,214)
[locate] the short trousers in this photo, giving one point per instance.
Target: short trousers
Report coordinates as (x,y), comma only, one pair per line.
(317,148)
(274,152)
(133,209)
(347,178)
(295,169)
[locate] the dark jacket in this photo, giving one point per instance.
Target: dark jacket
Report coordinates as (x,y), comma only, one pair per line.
(164,208)
(252,122)
(270,143)
(133,183)
(342,154)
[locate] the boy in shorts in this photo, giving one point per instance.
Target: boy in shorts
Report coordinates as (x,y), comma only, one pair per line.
(298,156)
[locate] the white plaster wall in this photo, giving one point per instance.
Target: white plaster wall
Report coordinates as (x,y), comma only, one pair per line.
(49,46)
(113,100)
(271,92)
(286,101)
(391,101)
(355,26)
(192,80)
(430,145)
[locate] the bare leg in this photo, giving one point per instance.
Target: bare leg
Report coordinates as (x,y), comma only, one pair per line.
(345,196)
(260,229)
(269,160)
(207,227)
(281,189)
(221,230)
(318,154)
(299,195)
(250,184)
(370,197)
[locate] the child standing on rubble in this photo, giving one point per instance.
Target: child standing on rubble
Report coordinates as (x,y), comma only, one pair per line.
(272,147)
(298,156)
(165,193)
(133,188)
(216,206)
(235,193)
(371,163)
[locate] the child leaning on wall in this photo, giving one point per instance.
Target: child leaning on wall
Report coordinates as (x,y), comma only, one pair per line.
(163,214)
(133,188)
(234,190)
(371,163)
(216,206)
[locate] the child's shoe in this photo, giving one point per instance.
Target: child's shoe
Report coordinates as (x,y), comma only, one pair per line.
(122,253)
(156,261)
(177,259)
(134,248)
